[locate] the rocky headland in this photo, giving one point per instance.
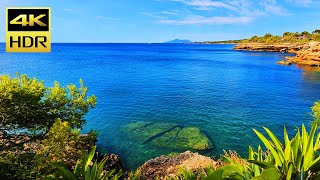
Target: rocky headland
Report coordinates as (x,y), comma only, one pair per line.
(306,53)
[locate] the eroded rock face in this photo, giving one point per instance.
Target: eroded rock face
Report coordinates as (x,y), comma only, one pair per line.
(166,166)
(168,135)
(278,47)
(308,56)
(306,53)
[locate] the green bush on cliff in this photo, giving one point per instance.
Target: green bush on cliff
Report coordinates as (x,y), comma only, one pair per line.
(35,119)
(286,37)
(26,103)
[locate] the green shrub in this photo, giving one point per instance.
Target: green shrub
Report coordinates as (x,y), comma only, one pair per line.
(84,170)
(27,104)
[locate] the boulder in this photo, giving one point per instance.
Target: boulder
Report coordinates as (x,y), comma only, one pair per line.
(168,166)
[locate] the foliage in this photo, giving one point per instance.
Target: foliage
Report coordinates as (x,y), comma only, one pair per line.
(286,37)
(59,145)
(17,165)
(84,170)
(37,126)
(316,110)
(317,31)
(134,175)
(27,104)
(297,158)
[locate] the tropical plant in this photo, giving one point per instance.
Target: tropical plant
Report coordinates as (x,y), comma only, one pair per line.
(297,158)
(85,171)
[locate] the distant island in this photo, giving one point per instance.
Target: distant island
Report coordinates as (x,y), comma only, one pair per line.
(176,41)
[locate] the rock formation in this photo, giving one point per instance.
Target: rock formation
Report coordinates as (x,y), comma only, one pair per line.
(306,53)
(166,166)
(307,56)
(281,47)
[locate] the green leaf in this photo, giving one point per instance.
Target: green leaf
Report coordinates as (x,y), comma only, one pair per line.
(64,172)
(261,164)
(268,174)
(89,158)
(289,173)
(276,141)
(269,146)
(216,175)
(286,137)
(251,153)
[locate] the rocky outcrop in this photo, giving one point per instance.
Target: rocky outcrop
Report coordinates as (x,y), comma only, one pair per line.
(306,53)
(113,161)
(279,47)
(307,56)
(166,166)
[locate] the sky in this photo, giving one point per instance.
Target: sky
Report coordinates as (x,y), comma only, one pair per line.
(153,21)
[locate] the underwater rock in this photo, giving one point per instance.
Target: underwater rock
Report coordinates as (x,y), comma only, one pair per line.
(168,135)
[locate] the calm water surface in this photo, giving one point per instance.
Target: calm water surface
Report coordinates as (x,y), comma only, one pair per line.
(225,93)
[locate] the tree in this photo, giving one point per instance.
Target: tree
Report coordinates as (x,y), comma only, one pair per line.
(317,31)
(268,35)
(305,33)
(38,125)
(287,34)
(26,104)
(296,34)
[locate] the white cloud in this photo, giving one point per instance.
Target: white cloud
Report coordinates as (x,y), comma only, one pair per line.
(230,11)
(208,20)
(207,4)
(271,7)
(170,13)
(301,2)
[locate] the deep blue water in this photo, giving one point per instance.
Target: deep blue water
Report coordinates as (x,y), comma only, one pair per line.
(225,93)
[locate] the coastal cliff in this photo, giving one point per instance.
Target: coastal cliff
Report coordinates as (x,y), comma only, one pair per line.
(306,53)
(277,47)
(310,55)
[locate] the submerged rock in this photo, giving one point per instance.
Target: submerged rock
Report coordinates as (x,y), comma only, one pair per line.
(168,166)
(185,138)
(168,135)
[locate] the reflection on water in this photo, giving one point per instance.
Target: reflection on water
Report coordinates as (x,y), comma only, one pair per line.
(308,69)
(310,73)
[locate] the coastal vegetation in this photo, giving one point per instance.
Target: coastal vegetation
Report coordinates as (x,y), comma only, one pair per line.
(40,139)
(286,37)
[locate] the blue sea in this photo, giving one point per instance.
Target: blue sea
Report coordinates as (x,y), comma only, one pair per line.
(223,92)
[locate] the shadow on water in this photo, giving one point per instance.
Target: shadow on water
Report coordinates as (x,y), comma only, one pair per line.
(161,134)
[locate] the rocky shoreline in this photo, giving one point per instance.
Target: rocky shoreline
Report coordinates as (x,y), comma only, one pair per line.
(306,53)
(168,167)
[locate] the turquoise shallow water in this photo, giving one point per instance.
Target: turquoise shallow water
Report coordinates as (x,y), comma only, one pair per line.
(223,92)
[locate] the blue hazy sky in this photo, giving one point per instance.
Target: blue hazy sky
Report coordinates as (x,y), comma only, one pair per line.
(161,20)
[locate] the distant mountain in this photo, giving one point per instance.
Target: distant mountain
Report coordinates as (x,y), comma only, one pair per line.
(178,41)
